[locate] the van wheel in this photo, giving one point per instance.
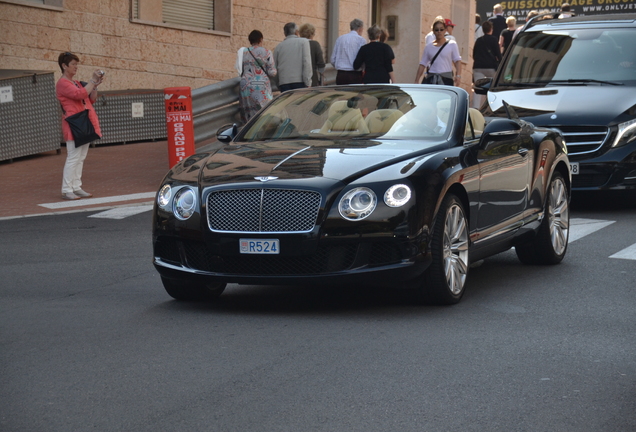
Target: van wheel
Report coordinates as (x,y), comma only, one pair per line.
(192,291)
(551,241)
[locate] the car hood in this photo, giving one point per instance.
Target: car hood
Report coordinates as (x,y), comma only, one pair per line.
(265,161)
(565,105)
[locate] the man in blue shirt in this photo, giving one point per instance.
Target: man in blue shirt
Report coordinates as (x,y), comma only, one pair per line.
(344,53)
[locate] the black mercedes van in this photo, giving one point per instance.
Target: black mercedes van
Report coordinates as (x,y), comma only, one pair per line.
(577,75)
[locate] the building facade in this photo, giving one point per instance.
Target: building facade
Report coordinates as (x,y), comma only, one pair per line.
(155,44)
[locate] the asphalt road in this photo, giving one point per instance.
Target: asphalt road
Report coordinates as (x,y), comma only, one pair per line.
(90,341)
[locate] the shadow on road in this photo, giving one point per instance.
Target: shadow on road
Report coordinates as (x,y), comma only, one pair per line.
(307,301)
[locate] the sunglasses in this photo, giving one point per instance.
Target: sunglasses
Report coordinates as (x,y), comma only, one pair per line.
(439,29)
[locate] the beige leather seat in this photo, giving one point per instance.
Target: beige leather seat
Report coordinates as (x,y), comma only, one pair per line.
(478,123)
(343,120)
(380,121)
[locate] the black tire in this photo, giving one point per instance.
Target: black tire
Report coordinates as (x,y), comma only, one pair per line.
(192,291)
(551,241)
(446,277)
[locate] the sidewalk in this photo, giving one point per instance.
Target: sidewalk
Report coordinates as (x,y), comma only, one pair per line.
(112,173)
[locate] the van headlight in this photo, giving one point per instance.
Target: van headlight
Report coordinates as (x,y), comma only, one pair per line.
(357,204)
(185,202)
(626,133)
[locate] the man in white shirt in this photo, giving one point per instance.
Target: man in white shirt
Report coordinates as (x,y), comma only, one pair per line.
(344,53)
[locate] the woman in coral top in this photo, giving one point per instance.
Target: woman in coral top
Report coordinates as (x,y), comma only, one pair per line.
(75,98)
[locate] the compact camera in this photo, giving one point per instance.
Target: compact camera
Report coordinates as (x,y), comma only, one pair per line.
(101,72)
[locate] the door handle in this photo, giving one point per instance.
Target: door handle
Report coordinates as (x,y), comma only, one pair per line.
(523,151)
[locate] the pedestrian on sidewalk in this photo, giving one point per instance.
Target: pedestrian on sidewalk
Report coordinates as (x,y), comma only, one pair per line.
(308,31)
(377,58)
(437,62)
(257,66)
(74,97)
(344,53)
(486,58)
(507,34)
(292,58)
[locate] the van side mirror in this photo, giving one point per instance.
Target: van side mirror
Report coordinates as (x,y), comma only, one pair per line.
(227,132)
(482,85)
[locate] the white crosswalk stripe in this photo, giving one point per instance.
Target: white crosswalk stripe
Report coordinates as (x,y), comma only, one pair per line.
(92,201)
(627,253)
(580,227)
(122,212)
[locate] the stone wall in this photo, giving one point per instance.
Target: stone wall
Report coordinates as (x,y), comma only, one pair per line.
(141,55)
(137,56)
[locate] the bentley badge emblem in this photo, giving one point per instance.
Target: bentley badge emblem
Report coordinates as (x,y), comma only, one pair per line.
(265,178)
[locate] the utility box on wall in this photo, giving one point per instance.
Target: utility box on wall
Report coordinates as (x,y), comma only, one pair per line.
(30,115)
(131,115)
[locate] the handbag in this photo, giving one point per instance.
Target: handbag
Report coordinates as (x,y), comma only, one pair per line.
(82,128)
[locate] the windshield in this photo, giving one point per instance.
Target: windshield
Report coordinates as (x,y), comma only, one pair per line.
(575,56)
(357,112)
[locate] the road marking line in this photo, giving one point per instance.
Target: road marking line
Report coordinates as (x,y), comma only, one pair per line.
(92,201)
(122,212)
(580,227)
(627,253)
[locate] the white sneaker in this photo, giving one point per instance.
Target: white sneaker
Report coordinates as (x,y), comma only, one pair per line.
(70,196)
(81,194)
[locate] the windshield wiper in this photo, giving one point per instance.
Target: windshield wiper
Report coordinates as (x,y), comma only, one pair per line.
(583,81)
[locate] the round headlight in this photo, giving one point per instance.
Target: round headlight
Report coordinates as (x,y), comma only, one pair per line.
(357,204)
(165,193)
(397,195)
(185,202)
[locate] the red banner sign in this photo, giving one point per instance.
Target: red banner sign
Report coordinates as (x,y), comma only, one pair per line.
(179,123)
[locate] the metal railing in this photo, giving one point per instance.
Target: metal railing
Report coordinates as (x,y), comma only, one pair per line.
(217,104)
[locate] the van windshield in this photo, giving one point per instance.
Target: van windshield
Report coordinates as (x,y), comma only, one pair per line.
(574,56)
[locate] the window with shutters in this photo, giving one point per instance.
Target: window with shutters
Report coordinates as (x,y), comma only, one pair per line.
(197,15)
(46,4)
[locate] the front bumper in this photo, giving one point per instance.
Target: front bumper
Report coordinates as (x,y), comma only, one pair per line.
(379,262)
(613,170)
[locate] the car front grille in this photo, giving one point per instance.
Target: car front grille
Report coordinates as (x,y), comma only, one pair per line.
(583,139)
(263,210)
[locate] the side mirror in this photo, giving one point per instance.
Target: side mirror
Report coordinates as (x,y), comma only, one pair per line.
(501,129)
(482,85)
(226,133)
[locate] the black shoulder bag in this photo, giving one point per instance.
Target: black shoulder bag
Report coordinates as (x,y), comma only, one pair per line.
(81,126)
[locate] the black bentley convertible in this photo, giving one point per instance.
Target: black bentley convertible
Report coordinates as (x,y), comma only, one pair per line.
(397,185)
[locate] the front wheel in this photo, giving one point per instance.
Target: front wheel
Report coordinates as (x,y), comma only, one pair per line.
(192,291)
(447,274)
(551,241)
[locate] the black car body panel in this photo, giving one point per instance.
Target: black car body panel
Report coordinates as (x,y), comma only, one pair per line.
(577,75)
(290,190)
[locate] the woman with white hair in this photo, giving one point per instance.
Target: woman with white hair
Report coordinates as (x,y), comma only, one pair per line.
(506,35)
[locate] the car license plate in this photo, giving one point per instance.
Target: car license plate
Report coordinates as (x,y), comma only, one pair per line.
(259,246)
(574,168)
